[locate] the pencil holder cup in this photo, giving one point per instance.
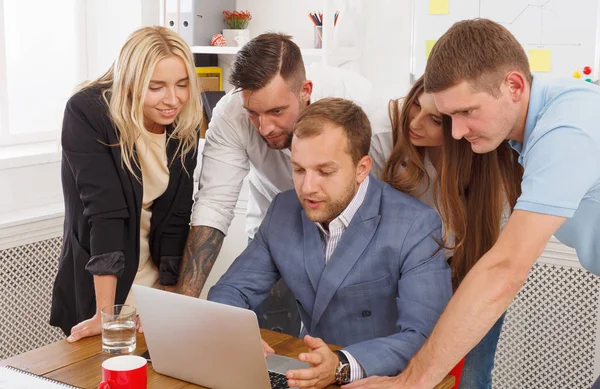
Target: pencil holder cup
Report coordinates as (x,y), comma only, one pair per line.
(318,37)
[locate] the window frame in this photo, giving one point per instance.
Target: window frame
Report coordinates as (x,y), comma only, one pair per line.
(47,134)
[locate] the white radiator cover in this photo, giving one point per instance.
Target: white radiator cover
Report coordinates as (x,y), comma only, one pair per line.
(549,335)
(26,277)
(549,338)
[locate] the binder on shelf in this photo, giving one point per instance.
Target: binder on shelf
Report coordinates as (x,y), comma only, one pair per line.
(196,20)
(171,9)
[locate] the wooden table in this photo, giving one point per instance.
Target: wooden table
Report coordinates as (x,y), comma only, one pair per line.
(79,363)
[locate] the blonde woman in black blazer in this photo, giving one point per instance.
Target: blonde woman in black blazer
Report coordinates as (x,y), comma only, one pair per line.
(129,144)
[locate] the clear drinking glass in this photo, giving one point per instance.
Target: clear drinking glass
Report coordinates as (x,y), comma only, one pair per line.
(118,329)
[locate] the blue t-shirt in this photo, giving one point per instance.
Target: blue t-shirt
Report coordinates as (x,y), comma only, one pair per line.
(561,157)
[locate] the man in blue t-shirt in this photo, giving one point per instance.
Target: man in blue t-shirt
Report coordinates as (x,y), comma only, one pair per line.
(479,75)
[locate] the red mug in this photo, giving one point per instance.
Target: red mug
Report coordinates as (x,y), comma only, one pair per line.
(124,372)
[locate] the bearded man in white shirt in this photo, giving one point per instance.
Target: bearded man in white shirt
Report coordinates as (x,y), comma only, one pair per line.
(250,133)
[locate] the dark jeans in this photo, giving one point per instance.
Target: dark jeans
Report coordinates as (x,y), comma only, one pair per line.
(596,384)
(278,311)
(479,362)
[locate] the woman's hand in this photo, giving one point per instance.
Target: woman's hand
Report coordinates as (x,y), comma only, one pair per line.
(89,327)
(267,349)
(138,324)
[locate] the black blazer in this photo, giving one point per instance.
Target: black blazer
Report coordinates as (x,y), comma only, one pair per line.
(103,203)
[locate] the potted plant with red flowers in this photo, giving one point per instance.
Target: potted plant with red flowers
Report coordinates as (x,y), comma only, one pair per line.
(237,34)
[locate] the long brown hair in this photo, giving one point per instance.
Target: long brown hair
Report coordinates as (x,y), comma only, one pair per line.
(471,191)
(405,169)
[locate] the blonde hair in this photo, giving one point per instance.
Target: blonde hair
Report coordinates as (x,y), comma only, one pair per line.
(125,84)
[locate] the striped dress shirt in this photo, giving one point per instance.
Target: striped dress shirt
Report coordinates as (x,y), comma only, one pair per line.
(330,238)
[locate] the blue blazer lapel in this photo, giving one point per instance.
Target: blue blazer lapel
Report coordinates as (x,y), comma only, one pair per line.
(314,257)
(353,243)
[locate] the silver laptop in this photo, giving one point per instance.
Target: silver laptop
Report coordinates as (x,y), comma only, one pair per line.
(206,343)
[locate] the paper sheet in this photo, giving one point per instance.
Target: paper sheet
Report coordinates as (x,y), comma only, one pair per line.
(439,7)
(13,379)
(540,60)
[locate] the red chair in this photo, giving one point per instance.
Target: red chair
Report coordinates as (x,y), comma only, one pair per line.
(457,372)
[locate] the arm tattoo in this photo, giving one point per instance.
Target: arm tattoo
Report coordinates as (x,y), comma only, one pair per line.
(201,251)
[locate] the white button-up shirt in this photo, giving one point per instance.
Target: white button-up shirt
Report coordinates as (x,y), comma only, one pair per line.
(234,149)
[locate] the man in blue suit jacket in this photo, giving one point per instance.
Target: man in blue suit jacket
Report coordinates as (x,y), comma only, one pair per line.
(360,257)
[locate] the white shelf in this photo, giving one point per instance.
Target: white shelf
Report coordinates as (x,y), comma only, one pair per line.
(214,49)
(233,50)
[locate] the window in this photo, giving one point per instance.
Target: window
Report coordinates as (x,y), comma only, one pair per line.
(42,60)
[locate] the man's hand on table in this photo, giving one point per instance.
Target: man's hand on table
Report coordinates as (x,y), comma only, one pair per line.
(323,363)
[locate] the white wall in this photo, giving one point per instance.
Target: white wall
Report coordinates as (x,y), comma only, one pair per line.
(109,23)
(386,53)
(27,190)
(151,10)
(41,55)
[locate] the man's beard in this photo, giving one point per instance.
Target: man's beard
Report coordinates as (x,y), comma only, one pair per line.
(332,208)
(285,143)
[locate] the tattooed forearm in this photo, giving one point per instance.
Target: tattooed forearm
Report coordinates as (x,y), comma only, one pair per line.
(201,251)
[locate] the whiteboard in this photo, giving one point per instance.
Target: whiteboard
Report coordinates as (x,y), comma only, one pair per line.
(566,30)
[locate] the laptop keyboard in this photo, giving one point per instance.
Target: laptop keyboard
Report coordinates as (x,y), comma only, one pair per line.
(278,381)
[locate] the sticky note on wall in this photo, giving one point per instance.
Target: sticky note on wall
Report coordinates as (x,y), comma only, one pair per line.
(439,7)
(428,46)
(540,60)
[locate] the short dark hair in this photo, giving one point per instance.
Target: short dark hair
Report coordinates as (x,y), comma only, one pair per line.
(339,113)
(478,51)
(263,58)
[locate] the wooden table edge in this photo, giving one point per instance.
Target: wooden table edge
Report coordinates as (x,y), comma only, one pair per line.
(277,340)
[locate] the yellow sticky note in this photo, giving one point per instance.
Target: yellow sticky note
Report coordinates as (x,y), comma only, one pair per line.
(439,7)
(540,60)
(428,46)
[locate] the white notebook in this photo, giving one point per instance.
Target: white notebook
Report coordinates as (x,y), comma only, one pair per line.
(13,378)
